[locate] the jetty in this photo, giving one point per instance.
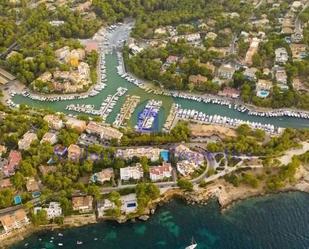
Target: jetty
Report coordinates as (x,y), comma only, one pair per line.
(148,116)
(126,110)
(106,106)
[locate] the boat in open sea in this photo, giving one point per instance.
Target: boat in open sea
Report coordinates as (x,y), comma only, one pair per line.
(192,246)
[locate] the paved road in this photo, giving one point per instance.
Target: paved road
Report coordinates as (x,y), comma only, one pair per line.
(259,4)
(298,23)
(120,187)
(170,184)
(230,170)
(35,201)
(197,180)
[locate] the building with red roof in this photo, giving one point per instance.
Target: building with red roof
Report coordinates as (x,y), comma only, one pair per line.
(14,160)
(91,45)
(158,173)
(229,92)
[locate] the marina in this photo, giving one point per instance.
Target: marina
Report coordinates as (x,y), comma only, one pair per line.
(106,106)
(148,117)
(109,103)
(205,104)
(112,75)
(200,117)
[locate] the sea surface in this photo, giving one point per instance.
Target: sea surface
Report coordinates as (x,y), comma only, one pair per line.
(278,221)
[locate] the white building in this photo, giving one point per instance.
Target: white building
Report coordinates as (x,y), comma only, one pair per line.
(296,6)
(103,206)
(250,73)
(50,137)
(188,160)
(54,122)
(104,175)
(193,37)
(133,172)
(281,55)
(104,132)
(226,71)
(186,167)
(27,140)
(281,78)
(151,153)
(135,49)
(53,210)
(84,70)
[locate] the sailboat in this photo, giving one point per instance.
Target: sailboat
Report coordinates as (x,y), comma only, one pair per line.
(193,245)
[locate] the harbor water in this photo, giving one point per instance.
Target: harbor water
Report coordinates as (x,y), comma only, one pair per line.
(279,221)
(114,81)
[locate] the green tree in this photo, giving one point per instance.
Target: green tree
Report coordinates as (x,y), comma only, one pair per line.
(18,181)
(40,218)
(6,198)
(144,163)
(185,184)
(145,192)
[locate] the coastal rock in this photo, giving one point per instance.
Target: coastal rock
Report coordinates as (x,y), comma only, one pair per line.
(144,217)
(121,220)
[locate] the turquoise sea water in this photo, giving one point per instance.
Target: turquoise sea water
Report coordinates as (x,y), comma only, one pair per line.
(274,222)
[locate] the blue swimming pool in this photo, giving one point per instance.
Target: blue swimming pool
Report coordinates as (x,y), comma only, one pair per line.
(263,93)
(17,200)
(165,155)
(130,205)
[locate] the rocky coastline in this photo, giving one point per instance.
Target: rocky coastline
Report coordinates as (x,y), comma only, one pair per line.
(226,194)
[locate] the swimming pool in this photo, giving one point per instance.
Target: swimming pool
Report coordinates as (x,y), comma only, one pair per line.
(165,155)
(17,199)
(263,93)
(131,205)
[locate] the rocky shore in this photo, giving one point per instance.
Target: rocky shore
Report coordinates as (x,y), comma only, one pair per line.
(226,194)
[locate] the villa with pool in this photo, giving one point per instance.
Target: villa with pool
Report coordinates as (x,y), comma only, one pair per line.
(263,88)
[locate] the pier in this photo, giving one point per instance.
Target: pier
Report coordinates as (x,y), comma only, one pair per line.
(148,116)
(106,106)
(126,110)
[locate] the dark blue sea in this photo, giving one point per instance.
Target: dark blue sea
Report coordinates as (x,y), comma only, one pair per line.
(278,221)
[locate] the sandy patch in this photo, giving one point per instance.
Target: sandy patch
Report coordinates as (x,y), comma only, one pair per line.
(203,130)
